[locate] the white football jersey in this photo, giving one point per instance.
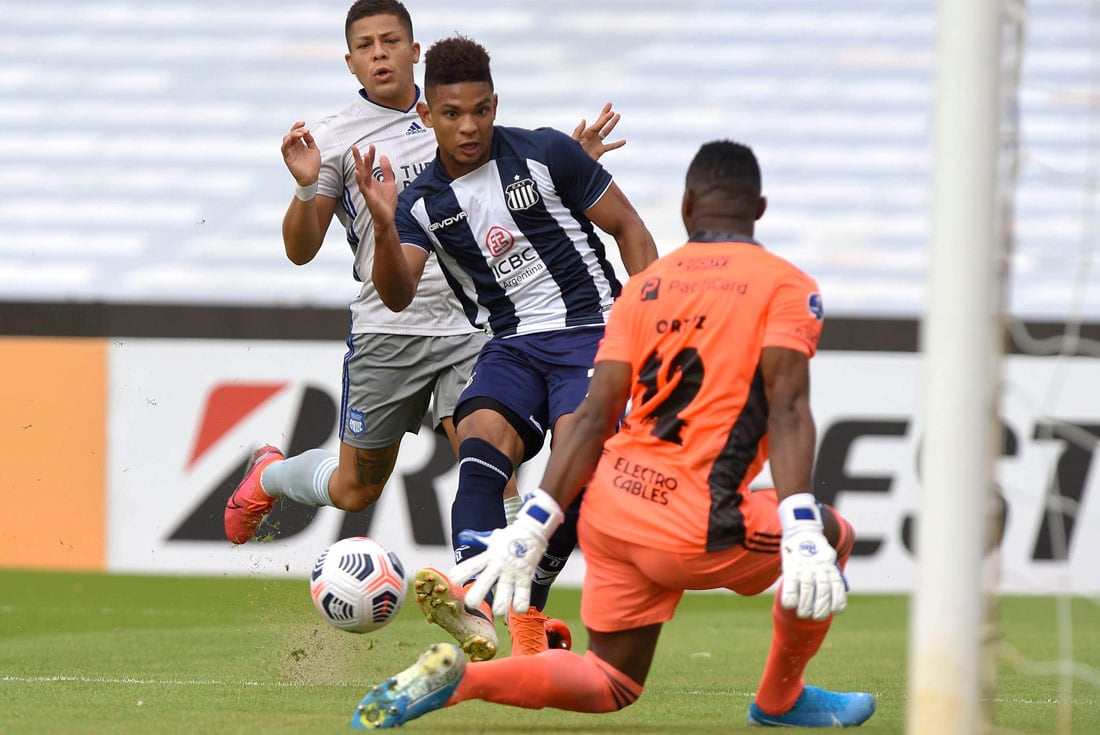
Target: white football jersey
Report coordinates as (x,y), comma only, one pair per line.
(400,136)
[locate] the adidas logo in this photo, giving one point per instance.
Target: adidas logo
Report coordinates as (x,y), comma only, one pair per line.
(414,129)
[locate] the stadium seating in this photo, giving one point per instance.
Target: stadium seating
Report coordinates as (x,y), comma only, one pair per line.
(142,164)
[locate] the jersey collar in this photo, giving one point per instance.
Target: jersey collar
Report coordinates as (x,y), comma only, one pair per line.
(365,98)
(715,236)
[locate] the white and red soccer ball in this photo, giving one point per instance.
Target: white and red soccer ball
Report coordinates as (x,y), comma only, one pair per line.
(358,584)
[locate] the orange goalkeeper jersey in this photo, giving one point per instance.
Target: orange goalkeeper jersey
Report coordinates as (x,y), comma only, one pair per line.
(693,326)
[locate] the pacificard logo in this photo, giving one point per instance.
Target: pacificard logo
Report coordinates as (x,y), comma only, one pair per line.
(448,221)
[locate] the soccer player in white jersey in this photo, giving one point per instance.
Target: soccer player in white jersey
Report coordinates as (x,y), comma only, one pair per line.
(511,216)
(395,362)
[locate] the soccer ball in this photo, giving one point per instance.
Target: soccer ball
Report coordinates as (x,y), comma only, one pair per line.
(358,584)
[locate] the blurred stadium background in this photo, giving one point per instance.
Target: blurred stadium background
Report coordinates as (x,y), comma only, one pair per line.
(142,160)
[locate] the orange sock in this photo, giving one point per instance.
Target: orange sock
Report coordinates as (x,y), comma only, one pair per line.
(794,642)
(555,678)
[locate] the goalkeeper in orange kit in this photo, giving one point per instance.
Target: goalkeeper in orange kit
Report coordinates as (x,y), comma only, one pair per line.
(710,346)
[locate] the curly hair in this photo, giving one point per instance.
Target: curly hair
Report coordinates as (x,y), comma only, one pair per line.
(455,60)
(367,8)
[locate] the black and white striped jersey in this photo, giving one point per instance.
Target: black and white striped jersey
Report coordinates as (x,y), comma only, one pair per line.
(512,236)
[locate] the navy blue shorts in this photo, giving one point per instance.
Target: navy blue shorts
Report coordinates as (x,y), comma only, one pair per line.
(535,378)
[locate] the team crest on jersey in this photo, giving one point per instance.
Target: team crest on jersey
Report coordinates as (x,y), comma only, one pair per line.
(356,422)
(650,289)
(521,195)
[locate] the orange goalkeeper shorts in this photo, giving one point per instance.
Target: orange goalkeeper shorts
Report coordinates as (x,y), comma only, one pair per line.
(630,584)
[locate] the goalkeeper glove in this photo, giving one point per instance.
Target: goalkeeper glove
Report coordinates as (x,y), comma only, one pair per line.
(511,555)
(812,580)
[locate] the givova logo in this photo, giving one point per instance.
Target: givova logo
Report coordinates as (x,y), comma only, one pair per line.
(314,422)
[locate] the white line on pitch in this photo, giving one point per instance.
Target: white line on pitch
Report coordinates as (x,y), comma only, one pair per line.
(162,682)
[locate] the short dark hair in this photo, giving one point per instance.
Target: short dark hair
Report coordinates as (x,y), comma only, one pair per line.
(455,60)
(366,8)
(726,165)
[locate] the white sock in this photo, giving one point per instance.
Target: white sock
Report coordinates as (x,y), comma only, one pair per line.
(303,478)
(511,507)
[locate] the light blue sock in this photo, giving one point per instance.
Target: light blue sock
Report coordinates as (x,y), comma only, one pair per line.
(303,478)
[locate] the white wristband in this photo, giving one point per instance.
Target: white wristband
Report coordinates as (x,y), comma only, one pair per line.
(540,511)
(799,509)
(305,193)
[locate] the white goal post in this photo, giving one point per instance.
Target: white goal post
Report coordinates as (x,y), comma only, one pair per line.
(961,344)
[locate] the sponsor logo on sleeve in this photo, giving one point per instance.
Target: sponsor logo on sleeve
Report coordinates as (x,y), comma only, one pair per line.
(817,307)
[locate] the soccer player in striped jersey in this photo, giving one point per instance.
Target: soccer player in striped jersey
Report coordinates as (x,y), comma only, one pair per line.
(711,347)
(396,363)
(511,215)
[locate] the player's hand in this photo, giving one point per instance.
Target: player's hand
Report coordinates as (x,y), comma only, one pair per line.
(812,581)
(591,137)
(376,184)
(301,155)
(511,555)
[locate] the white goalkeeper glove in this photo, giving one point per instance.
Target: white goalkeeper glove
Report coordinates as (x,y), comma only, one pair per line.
(511,555)
(812,580)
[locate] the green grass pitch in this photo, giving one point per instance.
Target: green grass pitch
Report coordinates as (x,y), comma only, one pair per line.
(89,653)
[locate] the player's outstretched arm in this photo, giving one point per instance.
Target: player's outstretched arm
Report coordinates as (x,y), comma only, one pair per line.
(308,215)
(593,137)
(614,214)
(397,269)
(812,582)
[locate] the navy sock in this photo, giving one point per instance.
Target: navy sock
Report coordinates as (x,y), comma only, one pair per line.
(483,473)
(557,553)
